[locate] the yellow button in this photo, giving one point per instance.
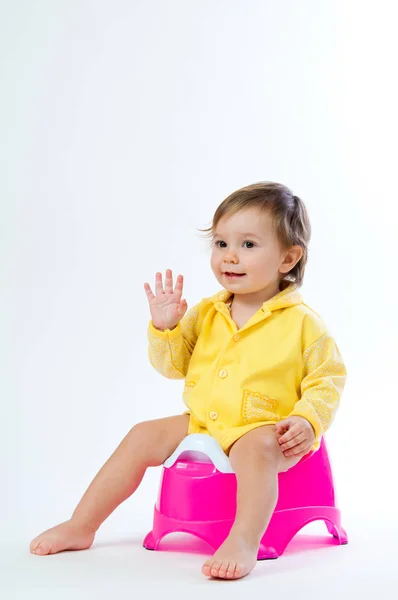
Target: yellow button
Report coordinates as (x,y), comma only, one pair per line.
(213,416)
(223,373)
(236,337)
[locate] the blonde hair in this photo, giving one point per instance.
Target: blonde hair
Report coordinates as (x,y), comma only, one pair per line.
(290,219)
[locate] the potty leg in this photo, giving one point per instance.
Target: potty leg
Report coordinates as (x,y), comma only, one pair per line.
(211,532)
(285,524)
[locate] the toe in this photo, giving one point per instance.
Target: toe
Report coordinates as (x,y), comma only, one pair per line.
(231,570)
(223,569)
(215,568)
(239,572)
(35,546)
(41,547)
(206,568)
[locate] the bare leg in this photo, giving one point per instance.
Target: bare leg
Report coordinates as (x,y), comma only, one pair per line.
(256,459)
(147,444)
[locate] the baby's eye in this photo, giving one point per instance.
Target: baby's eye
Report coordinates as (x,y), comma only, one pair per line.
(222,242)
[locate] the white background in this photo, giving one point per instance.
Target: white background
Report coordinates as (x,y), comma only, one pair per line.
(123,125)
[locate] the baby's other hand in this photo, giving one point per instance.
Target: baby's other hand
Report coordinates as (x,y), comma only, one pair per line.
(295,435)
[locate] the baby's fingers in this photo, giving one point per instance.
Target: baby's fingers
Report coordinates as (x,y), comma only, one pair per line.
(148,291)
(159,284)
(178,287)
(302,448)
(182,307)
(294,431)
(168,281)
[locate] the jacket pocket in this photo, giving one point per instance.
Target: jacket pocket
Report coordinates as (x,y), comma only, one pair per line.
(258,407)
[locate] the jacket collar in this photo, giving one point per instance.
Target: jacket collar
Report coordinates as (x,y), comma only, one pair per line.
(290,296)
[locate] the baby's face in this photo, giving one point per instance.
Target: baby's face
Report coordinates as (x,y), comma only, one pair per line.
(246,243)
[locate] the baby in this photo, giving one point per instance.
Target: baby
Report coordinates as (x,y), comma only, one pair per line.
(262,374)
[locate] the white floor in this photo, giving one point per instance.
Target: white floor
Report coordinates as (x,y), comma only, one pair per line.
(118,566)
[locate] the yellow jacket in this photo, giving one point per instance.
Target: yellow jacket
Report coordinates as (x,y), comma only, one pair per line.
(282,362)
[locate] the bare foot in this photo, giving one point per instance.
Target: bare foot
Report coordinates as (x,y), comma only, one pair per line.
(66,536)
(235,558)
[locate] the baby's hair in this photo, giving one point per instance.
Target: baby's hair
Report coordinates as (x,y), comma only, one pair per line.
(290,219)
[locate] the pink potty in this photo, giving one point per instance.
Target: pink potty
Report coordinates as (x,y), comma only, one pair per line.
(197,495)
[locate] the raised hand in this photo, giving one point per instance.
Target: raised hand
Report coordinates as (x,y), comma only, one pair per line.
(166,307)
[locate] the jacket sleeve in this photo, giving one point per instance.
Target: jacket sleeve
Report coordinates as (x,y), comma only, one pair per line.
(170,351)
(324,377)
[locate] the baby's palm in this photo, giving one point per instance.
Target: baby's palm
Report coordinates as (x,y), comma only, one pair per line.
(166,307)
